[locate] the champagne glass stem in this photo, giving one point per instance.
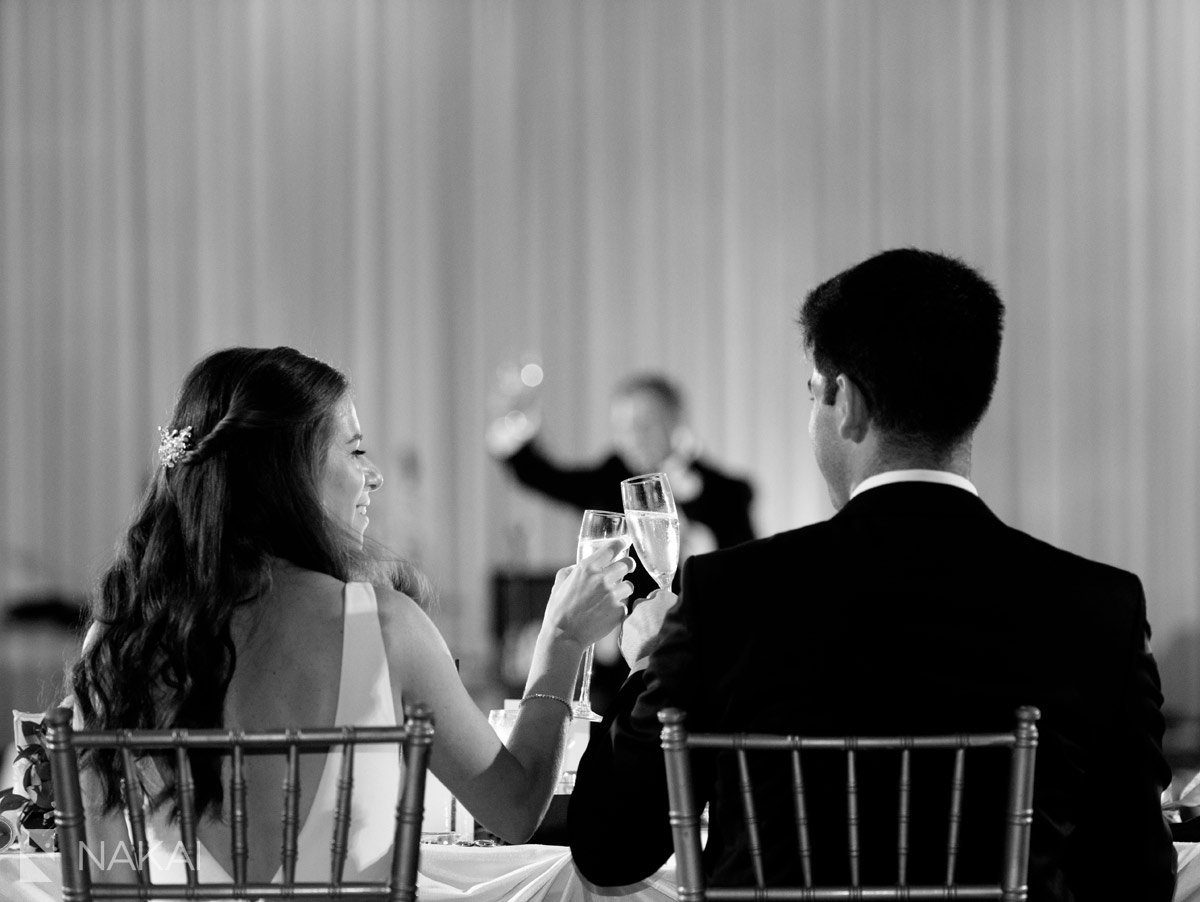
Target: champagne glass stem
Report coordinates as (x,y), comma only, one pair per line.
(585,685)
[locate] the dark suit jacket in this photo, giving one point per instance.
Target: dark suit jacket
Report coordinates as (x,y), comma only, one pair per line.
(913,610)
(723,504)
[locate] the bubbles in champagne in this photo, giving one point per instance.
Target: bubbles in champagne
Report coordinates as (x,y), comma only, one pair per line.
(656,537)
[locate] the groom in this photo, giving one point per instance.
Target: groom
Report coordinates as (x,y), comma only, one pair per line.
(912,610)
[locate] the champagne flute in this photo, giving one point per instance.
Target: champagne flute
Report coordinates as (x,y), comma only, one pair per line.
(650,511)
(600,529)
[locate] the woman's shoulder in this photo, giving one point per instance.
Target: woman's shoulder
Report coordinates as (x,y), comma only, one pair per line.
(406,626)
(396,605)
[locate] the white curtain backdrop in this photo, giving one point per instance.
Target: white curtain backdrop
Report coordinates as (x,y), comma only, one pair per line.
(420,190)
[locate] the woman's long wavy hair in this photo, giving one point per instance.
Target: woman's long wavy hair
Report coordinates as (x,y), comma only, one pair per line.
(201,546)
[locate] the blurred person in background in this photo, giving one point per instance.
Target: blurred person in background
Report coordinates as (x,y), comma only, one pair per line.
(245,596)
(649,435)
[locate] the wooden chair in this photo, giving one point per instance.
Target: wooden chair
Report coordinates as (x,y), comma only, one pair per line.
(676,743)
(63,743)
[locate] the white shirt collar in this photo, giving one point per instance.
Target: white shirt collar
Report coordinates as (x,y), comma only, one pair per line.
(892,476)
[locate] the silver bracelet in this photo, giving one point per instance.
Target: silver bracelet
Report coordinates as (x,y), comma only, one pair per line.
(562,701)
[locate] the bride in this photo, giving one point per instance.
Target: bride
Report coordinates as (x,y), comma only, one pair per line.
(245,597)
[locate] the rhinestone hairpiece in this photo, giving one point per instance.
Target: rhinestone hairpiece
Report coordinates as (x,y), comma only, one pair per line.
(173,448)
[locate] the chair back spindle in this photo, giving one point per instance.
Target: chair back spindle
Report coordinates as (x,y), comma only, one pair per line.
(1017,814)
(801,818)
(185,799)
(291,811)
(135,805)
(902,818)
(238,846)
(852,812)
(341,811)
(955,820)
(754,843)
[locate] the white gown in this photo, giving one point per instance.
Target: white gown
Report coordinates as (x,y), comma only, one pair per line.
(364,699)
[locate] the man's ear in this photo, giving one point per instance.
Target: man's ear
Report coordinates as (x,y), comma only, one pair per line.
(853,414)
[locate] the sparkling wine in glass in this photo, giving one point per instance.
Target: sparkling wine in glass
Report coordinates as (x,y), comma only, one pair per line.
(650,512)
(599,529)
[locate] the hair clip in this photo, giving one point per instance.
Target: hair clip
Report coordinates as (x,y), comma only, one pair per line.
(173,448)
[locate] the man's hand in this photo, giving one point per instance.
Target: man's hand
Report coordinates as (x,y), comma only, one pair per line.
(640,631)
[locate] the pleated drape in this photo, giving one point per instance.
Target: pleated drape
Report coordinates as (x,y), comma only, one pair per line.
(421,191)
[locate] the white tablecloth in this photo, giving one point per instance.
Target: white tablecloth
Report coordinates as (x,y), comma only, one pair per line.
(523,874)
(527,873)
(30,878)
(517,873)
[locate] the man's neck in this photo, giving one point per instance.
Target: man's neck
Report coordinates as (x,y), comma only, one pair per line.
(885,458)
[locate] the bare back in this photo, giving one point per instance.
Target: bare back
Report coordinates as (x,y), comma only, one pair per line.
(288,673)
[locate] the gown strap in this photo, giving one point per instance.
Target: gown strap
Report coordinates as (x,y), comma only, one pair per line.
(364,699)
(365,695)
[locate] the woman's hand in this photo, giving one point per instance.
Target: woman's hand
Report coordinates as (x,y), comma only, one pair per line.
(588,600)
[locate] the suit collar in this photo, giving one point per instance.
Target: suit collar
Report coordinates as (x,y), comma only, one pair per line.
(941,477)
(915,498)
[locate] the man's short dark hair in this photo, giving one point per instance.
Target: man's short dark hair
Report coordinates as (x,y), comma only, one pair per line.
(667,392)
(919,333)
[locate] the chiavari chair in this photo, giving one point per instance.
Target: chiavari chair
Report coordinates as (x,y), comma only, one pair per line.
(685,819)
(413,741)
